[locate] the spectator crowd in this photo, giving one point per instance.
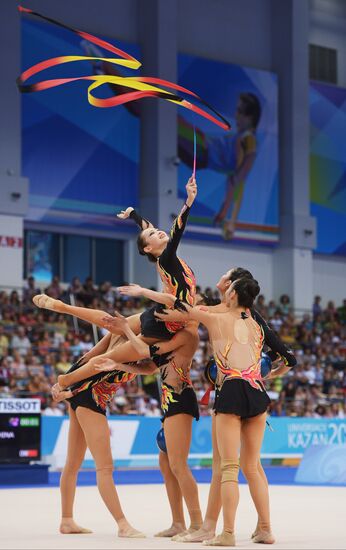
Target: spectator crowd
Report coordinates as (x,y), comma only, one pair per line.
(36,345)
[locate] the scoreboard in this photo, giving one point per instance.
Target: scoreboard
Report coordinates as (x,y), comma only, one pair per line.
(20,430)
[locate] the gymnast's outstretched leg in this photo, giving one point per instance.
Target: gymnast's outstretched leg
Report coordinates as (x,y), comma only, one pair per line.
(93,316)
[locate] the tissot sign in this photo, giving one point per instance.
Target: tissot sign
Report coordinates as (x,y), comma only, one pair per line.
(22,406)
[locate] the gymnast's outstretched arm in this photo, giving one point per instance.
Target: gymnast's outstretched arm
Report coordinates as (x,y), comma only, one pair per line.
(137,290)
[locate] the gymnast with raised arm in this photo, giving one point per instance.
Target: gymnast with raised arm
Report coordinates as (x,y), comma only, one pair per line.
(177,277)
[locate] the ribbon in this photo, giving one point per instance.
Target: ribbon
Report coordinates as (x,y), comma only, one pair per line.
(141,86)
(194,153)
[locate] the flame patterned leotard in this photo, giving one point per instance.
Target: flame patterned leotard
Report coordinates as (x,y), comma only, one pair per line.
(177,393)
(177,277)
(237,347)
(97,391)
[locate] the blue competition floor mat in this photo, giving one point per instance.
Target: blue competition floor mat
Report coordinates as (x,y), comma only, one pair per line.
(277,475)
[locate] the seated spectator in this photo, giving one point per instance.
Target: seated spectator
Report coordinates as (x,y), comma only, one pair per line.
(86,343)
(8,321)
(271,309)
(4,342)
(75,288)
(54,290)
(20,342)
(276,321)
(153,409)
(285,305)
(52,409)
(106,293)
(63,364)
(316,307)
(30,290)
(89,293)
(261,307)
(342,313)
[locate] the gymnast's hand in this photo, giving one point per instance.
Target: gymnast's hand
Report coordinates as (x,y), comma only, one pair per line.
(130,290)
(124,214)
(55,391)
(171,315)
(191,189)
(106,364)
(60,395)
(115,324)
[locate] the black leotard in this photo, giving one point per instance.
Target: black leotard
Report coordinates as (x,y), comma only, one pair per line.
(177,277)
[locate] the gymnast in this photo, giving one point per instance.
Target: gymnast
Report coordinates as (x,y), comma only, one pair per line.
(179,407)
(279,354)
(240,402)
(177,277)
(88,427)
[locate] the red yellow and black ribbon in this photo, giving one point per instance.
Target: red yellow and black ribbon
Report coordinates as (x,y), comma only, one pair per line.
(141,87)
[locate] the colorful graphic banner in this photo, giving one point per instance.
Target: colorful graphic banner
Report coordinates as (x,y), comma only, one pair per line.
(328,166)
(82,162)
(237,172)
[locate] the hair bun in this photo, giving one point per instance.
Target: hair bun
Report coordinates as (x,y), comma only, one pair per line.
(247,290)
(253,287)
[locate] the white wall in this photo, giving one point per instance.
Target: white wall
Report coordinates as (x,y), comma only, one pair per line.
(11,251)
(210,262)
(329,276)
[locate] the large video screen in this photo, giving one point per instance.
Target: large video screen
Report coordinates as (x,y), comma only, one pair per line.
(328,166)
(20,430)
(237,171)
(82,161)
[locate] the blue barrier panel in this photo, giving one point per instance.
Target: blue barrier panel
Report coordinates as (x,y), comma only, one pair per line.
(133,438)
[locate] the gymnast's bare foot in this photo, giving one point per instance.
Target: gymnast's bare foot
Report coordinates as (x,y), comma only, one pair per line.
(225,539)
(127,531)
(199,536)
(46,302)
(172,531)
(263,537)
(69,527)
(180,536)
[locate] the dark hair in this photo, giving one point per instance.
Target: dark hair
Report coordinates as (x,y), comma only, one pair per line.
(247,290)
(240,273)
(141,244)
(252,107)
